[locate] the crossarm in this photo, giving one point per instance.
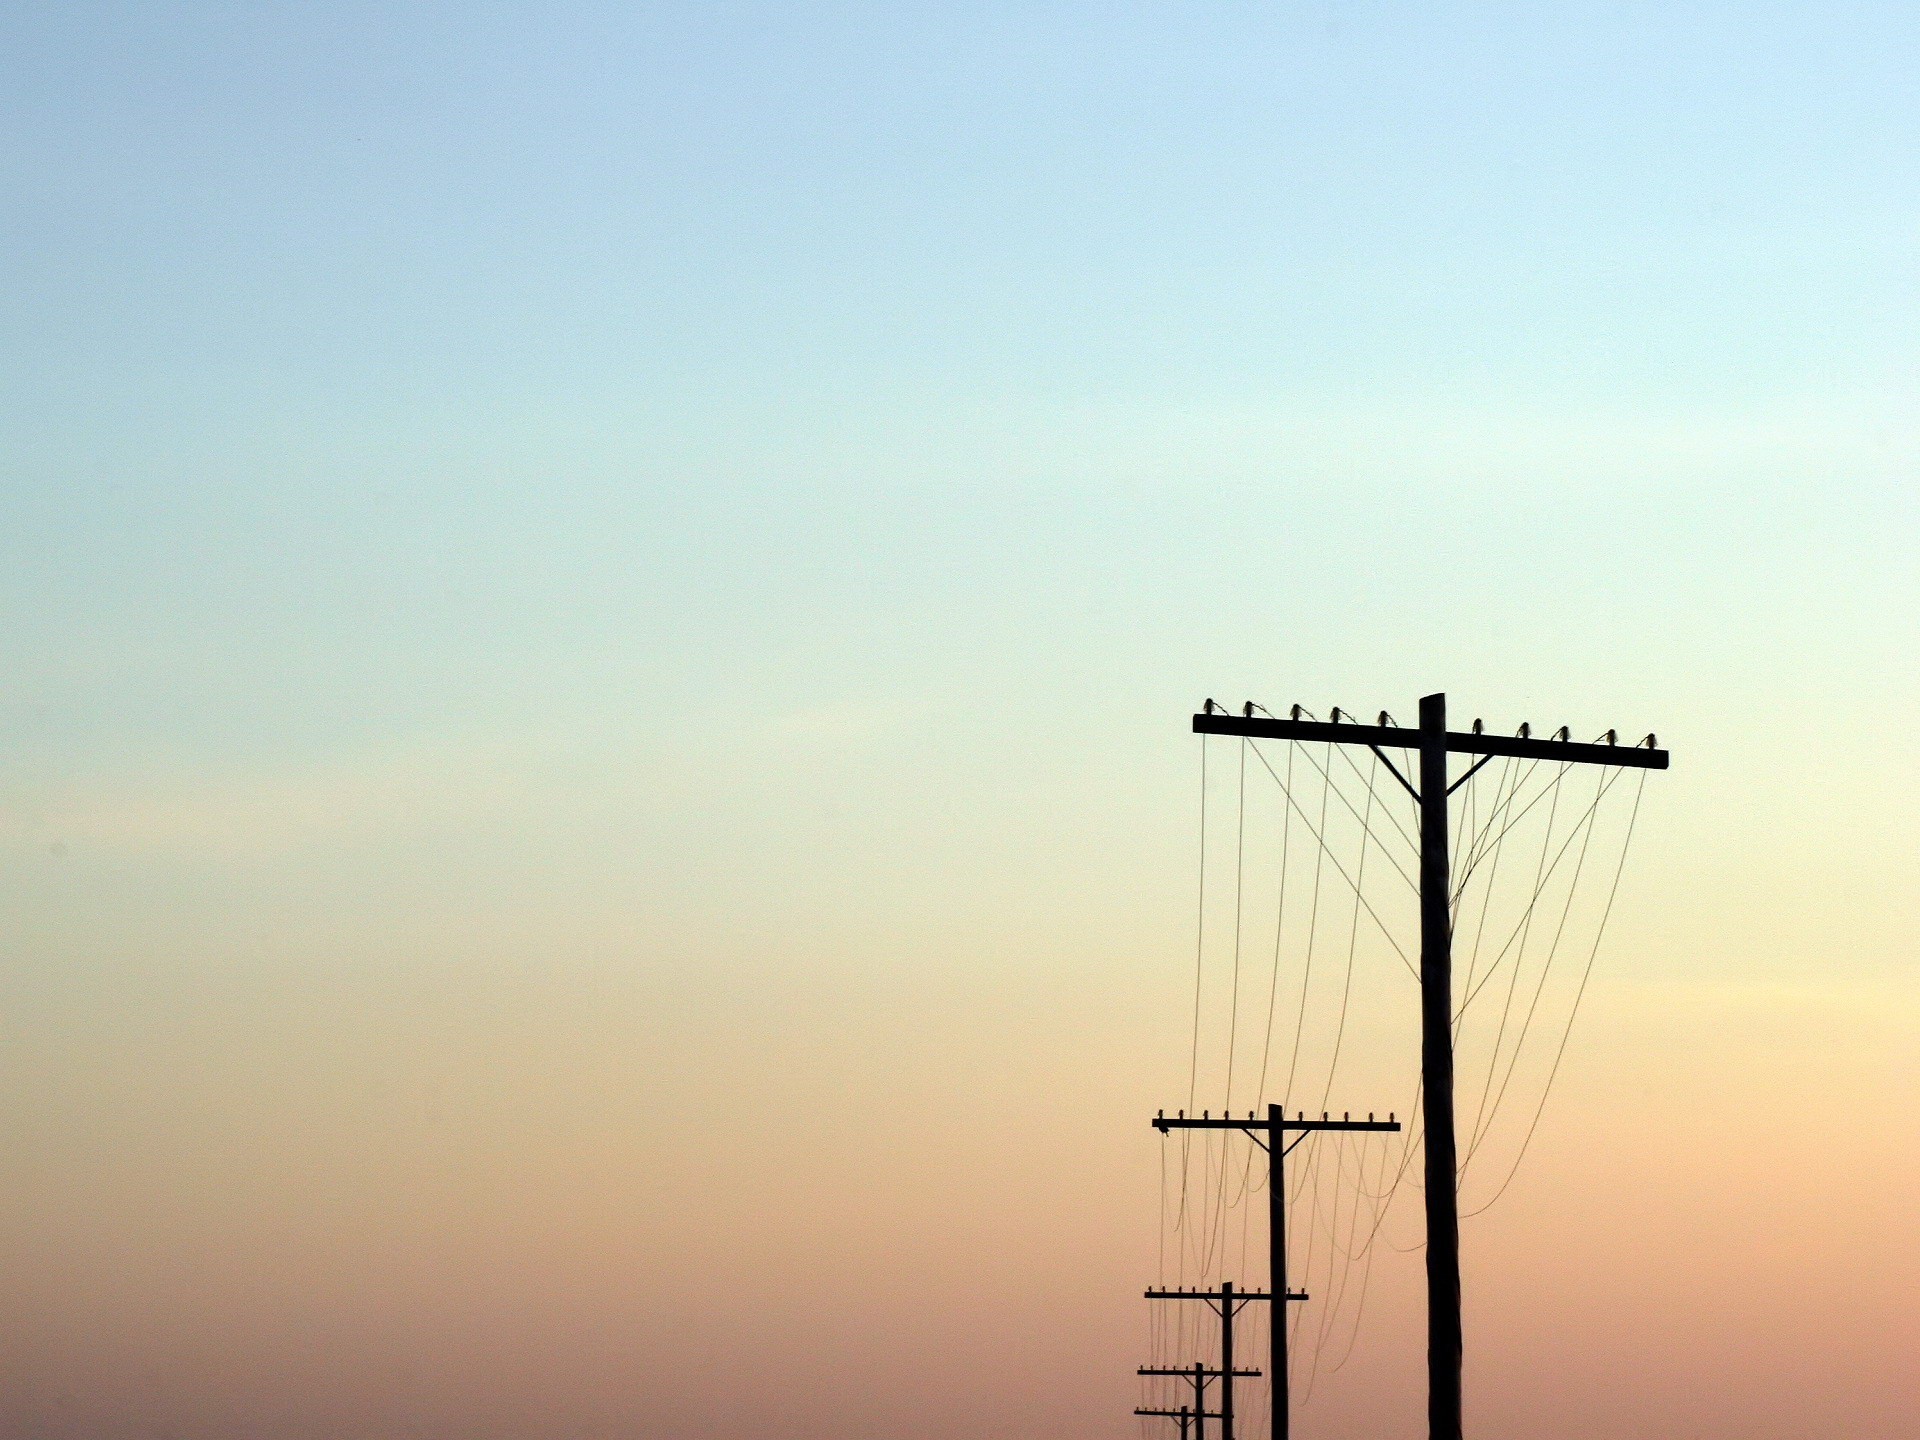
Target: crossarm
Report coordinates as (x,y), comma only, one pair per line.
(1178,1414)
(1164,1123)
(1341,732)
(1187,1374)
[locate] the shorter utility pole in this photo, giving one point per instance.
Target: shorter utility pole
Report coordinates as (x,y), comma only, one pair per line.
(1275,1127)
(1189,1419)
(1226,1303)
(1199,1375)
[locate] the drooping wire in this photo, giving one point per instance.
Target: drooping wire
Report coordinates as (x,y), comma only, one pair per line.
(1353,941)
(1217,1231)
(1525,931)
(1239,895)
(1585,831)
(1313,926)
(1413,845)
(1199,967)
(1539,888)
(1586,974)
(1279,929)
(1486,892)
(1320,839)
(1337,1304)
(1516,817)
(1341,795)
(1484,836)
(1365,1255)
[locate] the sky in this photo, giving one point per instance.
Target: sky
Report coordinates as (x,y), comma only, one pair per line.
(597,813)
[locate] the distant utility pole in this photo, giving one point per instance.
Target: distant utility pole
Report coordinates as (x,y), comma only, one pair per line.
(1275,1127)
(1199,1375)
(1188,1419)
(1226,1303)
(1435,743)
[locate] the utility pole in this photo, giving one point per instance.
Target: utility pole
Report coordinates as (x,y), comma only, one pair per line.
(1226,1303)
(1199,1375)
(1274,1126)
(1434,743)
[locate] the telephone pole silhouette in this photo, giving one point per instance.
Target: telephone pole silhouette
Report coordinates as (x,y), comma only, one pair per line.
(1275,1126)
(1199,1375)
(1226,1302)
(1434,743)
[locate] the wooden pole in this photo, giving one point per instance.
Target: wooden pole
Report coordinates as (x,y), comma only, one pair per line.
(1444,1339)
(1226,1359)
(1277,1266)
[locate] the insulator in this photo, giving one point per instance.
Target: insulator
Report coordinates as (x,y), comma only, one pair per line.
(1526,731)
(1477,726)
(1613,737)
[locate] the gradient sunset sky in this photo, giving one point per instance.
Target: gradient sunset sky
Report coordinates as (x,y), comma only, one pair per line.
(597,820)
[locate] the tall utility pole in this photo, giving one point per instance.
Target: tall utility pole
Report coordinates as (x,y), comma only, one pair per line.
(1275,1126)
(1435,743)
(1226,1303)
(1199,1375)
